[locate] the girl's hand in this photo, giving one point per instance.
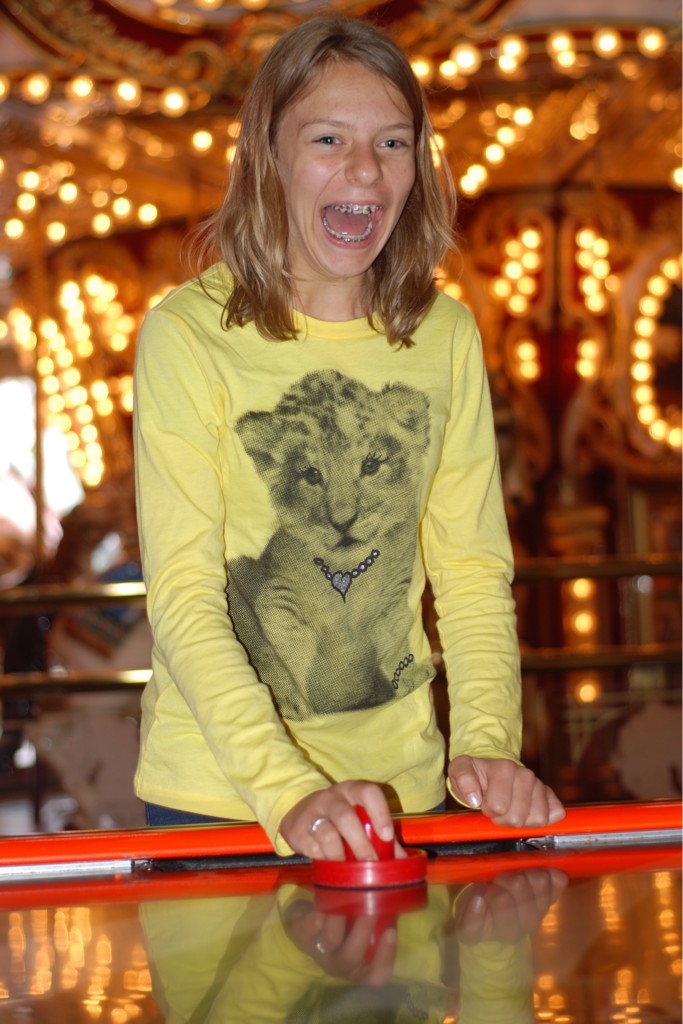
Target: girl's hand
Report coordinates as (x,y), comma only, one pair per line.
(317,825)
(507,793)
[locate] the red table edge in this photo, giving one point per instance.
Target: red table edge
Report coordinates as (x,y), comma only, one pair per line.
(245,839)
(147,887)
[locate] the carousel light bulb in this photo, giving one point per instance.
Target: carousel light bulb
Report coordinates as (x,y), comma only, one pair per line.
(526,350)
(209,5)
(202,141)
(80,87)
(45,366)
(658,285)
(513,270)
(647,413)
(559,42)
(121,206)
(68,191)
(477,172)
(494,153)
(651,42)
(583,622)
(423,69)
(643,394)
(147,213)
(581,588)
(89,433)
(36,88)
(523,116)
(448,70)
(500,288)
(671,268)
(531,238)
(507,65)
(56,231)
(585,238)
(588,348)
(530,371)
(566,59)
(607,42)
(174,102)
(676,178)
(641,349)
(531,261)
(467,58)
(586,369)
(517,305)
(101,223)
(14,228)
(4,87)
(29,180)
(587,691)
(506,135)
(642,371)
(596,303)
(645,326)
(26,202)
(128,92)
(513,46)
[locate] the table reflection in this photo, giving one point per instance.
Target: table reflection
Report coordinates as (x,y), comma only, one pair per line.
(521,946)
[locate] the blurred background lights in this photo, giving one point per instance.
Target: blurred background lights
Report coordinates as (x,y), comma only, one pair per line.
(466,57)
(607,42)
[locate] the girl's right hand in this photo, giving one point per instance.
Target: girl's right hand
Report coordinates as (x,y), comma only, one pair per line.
(318,825)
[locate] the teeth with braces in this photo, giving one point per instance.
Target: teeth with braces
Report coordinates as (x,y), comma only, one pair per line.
(351,208)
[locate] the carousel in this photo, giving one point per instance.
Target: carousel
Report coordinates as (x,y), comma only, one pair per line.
(561,124)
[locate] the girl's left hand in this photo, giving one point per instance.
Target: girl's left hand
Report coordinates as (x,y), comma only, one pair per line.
(507,793)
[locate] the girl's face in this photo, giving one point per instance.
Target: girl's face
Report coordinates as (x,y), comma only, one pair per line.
(346,159)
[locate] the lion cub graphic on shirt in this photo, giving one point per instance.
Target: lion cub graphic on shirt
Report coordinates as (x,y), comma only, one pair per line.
(323,612)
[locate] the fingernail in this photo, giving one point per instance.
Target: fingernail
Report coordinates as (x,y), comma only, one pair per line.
(477,904)
(473,800)
(387,833)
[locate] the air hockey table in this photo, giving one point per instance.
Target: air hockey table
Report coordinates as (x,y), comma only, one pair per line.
(206,925)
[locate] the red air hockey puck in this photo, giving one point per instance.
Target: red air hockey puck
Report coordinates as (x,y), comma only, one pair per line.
(371,874)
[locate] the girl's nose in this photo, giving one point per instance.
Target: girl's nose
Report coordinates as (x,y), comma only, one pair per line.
(363,166)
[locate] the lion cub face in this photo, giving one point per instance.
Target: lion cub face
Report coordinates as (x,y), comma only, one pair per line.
(340,461)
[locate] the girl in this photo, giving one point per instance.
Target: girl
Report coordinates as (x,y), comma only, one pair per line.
(313,436)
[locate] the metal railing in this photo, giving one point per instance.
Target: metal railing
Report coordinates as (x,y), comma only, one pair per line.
(40,599)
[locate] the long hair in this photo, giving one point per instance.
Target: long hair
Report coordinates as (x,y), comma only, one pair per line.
(250,230)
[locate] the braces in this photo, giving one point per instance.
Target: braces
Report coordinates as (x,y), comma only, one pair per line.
(351,208)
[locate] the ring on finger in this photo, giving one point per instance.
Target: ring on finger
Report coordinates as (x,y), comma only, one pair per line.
(315,825)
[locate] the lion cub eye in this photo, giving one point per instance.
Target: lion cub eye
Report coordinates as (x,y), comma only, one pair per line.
(371,465)
(311,475)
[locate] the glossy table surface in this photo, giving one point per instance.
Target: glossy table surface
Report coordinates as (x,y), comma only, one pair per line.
(580,925)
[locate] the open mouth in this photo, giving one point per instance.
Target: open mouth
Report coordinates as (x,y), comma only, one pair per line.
(349,222)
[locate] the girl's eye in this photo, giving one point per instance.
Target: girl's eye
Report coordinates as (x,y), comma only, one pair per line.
(327,140)
(394,143)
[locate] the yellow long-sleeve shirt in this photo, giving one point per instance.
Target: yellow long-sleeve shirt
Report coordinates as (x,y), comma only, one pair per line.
(291,497)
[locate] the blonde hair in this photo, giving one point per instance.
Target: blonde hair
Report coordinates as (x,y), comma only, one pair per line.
(250,230)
